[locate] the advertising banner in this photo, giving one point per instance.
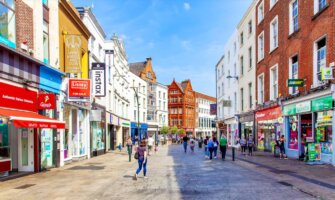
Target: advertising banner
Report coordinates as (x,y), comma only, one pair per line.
(268,114)
(73,54)
(99,79)
(213,109)
(314,151)
(46,101)
(17,98)
(79,90)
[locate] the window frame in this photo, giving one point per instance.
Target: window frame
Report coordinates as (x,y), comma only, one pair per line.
(261,5)
(273,95)
(261,51)
(316,74)
(260,93)
(273,3)
(293,90)
(274,41)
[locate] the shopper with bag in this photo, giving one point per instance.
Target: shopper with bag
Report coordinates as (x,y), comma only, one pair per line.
(141,155)
(223,146)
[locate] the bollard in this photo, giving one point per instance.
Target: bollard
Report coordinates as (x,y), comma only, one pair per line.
(233,153)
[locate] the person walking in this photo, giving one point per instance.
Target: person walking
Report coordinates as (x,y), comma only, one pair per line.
(185,141)
(243,144)
(151,142)
(282,147)
(200,141)
(250,145)
(206,147)
(142,159)
(215,148)
(210,146)
(223,146)
(129,147)
(192,144)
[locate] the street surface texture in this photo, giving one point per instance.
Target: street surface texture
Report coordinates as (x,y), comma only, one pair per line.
(172,175)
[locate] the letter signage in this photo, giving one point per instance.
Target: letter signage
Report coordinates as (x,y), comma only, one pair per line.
(46,101)
(99,79)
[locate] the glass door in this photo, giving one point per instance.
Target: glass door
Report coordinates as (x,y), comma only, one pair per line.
(26,149)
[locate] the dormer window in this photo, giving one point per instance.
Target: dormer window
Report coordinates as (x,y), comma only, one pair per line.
(149,75)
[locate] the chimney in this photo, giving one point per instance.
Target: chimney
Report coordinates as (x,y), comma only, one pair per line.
(148,59)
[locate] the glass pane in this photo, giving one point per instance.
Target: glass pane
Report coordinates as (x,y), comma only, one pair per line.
(24,147)
(4,141)
(7,26)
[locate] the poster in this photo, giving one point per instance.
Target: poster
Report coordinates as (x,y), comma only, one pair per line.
(314,151)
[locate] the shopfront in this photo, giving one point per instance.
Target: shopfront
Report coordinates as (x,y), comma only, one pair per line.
(246,121)
(125,124)
(310,122)
(269,128)
(98,132)
(232,131)
(113,126)
(143,130)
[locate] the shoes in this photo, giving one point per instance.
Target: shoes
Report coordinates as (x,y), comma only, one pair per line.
(285,158)
(215,157)
(135,177)
(145,177)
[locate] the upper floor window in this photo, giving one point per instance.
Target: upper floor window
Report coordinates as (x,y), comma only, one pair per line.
(260,84)
(274,82)
(294,13)
(242,100)
(319,5)
(274,34)
(45,2)
(242,67)
(250,57)
(293,73)
(7,21)
(320,58)
(260,12)
(45,42)
(272,3)
(250,27)
(261,46)
(149,75)
(241,39)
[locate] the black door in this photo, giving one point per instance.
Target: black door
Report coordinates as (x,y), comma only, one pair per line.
(112,137)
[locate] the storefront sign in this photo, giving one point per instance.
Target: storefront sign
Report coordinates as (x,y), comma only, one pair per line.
(73,54)
(226,103)
(46,101)
(99,79)
(79,90)
(314,151)
(38,124)
(213,109)
(303,107)
(290,110)
(17,98)
(326,73)
(323,103)
(268,114)
(295,82)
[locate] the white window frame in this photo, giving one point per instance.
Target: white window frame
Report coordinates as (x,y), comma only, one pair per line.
(260,19)
(260,98)
(316,6)
(273,3)
(291,17)
(274,41)
(316,82)
(290,73)
(273,83)
(260,55)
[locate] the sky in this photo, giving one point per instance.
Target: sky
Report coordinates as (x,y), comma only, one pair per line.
(185,39)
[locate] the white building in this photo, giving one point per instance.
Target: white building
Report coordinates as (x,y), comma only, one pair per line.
(162,105)
(247,71)
(204,118)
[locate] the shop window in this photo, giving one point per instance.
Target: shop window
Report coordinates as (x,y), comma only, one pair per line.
(4,141)
(293,133)
(306,131)
(323,132)
(7,23)
(320,53)
(45,42)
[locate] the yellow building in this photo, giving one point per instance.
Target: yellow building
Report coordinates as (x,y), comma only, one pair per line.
(73,41)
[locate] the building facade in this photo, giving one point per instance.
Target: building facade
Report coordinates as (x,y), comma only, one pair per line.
(182,106)
(204,119)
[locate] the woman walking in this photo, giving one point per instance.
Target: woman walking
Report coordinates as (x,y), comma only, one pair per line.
(243,144)
(282,147)
(250,145)
(215,148)
(210,145)
(142,159)
(129,147)
(192,144)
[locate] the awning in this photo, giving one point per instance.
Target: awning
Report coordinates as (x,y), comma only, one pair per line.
(26,119)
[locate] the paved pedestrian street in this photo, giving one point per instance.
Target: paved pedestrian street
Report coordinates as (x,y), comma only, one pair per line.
(171,175)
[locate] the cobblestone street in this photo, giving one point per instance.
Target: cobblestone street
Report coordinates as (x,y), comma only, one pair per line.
(172,175)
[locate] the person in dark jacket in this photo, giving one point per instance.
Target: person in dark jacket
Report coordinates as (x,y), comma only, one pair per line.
(210,146)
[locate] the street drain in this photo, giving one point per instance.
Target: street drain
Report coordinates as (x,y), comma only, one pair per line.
(22,187)
(285,183)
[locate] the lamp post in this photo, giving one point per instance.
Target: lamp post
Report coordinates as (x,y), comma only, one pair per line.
(229,77)
(138,114)
(233,147)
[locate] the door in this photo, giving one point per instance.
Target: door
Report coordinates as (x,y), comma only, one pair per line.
(26,149)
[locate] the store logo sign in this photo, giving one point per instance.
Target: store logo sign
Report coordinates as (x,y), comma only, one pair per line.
(99,79)
(46,101)
(327,73)
(79,90)
(303,107)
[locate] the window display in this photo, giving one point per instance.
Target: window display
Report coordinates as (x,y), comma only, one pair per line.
(4,141)
(97,133)
(293,133)
(324,131)
(46,148)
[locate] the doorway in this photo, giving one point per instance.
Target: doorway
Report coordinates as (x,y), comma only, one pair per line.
(26,149)
(112,131)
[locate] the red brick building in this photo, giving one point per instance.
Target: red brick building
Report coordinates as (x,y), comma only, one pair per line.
(181,106)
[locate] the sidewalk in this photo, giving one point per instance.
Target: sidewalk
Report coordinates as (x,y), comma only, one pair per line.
(316,180)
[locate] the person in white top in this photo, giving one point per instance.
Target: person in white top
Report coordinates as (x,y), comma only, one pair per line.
(151,142)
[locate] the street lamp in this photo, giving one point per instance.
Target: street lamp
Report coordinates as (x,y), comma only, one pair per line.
(229,77)
(138,114)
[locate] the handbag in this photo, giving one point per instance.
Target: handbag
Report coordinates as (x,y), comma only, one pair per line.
(136,155)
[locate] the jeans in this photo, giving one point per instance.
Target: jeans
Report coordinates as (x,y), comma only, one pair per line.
(211,149)
(206,151)
(223,150)
(250,150)
(140,164)
(215,151)
(185,146)
(130,149)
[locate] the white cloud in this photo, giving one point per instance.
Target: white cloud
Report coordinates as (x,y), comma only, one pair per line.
(187,6)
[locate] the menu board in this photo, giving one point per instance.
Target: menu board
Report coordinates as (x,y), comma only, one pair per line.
(314,151)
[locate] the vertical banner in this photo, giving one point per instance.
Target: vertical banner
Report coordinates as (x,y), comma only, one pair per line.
(99,79)
(213,109)
(72,54)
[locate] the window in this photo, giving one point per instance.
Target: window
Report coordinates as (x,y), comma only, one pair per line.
(222,88)
(250,57)
(320,53)
(219,90)
(229,79)
(250,95)
(294,13)
(235,100)
(272,3)
(242,67)
(293,72)
(149,75)
(164,105)
(92,43)
(241,39)
(242,102)
(135,115)
(159,104)
(273,83)
(319,5)
(274,34)
(222,70)
(144,117)
(218,74)
(261,46)
(261,89)
(45,42)
(164,95)
(250,27)
(159,94)
(260,12)
(229,55)
(8,25)
(234,48)
(45,2)
(144,103)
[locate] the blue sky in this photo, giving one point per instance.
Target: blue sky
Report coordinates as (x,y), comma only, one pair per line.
(185,39)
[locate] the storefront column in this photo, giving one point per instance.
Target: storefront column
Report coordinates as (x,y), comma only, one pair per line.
(299,136)
(333,136)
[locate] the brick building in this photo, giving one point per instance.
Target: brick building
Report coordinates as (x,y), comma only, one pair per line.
(181,106)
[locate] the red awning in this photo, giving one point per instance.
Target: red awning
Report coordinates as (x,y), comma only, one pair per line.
(26,119)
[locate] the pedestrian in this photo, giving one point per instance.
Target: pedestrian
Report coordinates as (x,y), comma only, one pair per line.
(151,142)
(223,146)
(185,141)
(129,147)
(200,141)
(142,159)
(282,147)
(243,144)
(206,147)
(250,145)
(210,146)
(216,145)
(192,144)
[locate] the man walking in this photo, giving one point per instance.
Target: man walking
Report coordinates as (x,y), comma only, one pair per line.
(223,146)
(185,140)
(151,142)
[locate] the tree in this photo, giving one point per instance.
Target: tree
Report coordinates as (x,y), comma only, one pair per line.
(174,130)
(181,131)
(164,130)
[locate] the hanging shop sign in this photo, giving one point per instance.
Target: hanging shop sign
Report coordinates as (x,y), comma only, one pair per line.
(99,79)
(326,73)
(46,101)
(17,98)
(213,109)
(295,82)
(226,103)
(303,107)
(73,54)
(79,90)
(95,115)
(323,103)
(314,151)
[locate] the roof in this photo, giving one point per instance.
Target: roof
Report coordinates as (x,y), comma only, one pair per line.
(136,68)
(205,96)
